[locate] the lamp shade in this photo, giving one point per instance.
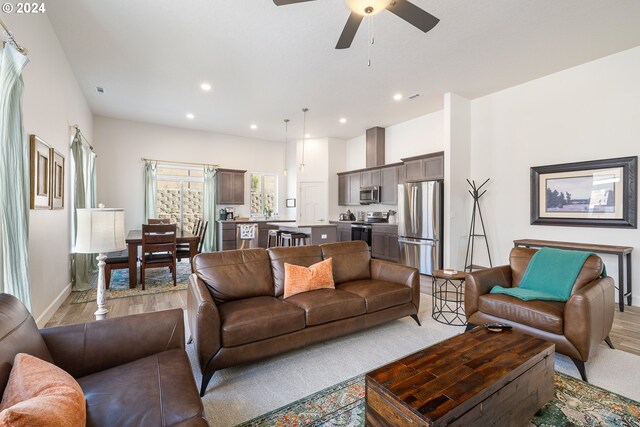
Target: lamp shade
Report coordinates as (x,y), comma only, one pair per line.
(100,230)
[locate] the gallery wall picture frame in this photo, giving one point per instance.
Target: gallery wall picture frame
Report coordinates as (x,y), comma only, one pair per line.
(291,203)
(596,193)
(40,173)
(56,185)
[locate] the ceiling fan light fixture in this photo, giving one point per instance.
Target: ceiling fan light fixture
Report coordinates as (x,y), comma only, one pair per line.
(368,7)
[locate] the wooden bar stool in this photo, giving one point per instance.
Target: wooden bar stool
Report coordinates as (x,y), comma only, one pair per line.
(285,239)
(273,239)
(299,239)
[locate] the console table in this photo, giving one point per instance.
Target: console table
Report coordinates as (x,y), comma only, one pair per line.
(621,251)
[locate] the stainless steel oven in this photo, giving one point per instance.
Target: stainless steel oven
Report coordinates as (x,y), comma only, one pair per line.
(361,231)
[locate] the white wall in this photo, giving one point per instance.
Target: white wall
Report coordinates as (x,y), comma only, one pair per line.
(588,112)
(123,144)
(52,102)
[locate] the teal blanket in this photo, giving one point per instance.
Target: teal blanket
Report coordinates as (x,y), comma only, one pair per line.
(549,276)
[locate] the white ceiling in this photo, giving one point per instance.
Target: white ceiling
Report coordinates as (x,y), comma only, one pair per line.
(267,62)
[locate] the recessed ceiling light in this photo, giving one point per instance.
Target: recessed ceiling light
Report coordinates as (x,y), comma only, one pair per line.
(306,135)
(397,96)
(254,127)
(205,86)
(343,120)
(190,116)
(99,89)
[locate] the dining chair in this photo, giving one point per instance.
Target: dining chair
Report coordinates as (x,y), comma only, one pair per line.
(158,248)
(158,221)
(183,252)
(115,261)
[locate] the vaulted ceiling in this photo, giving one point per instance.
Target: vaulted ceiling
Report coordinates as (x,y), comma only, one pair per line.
(265,63)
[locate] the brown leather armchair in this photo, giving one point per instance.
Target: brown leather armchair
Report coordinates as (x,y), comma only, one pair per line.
(576,327)
(133,370)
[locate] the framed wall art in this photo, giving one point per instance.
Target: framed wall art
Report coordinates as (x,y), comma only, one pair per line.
(598,193)
(56,183)
(40,173)
(291,203)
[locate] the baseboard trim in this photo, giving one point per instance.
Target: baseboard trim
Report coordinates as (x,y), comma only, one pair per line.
(55,305)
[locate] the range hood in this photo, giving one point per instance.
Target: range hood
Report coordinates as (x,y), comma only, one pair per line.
(375,147)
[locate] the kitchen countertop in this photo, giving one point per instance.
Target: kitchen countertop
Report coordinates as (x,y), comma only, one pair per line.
(302,225)
(253,220)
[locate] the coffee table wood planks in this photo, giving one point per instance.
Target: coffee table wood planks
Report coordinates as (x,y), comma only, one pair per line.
(476,378)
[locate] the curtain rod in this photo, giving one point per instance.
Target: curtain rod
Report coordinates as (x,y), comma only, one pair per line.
(179,163)
(13,41)
(83,137)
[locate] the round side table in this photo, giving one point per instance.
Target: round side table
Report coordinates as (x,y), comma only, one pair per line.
(448,297)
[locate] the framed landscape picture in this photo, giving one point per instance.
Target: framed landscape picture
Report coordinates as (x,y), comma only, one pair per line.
(39,176)
(598,193)
(57,179)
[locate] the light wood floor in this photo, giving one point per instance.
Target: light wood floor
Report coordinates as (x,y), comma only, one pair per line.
(625,333)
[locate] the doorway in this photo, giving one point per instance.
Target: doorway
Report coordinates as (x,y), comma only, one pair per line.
(313,202)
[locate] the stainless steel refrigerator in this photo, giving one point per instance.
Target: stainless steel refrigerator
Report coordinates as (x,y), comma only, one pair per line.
(420,225)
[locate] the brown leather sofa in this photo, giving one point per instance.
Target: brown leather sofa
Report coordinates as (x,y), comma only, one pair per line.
(133,370)
(237,314)
(576,327)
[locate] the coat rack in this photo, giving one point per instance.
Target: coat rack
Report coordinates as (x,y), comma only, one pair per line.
(468,258)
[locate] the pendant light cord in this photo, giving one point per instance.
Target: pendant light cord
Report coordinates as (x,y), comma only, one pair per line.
(304,132)
(286,140)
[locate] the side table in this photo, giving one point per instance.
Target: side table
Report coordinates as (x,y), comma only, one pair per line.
(448,297)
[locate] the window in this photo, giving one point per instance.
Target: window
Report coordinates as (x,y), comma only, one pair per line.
(264,194)
(179,194)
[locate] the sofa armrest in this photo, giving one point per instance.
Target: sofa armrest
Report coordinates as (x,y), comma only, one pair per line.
(86,348)
(588,315)
(398,273)
(480,282)
(204,321)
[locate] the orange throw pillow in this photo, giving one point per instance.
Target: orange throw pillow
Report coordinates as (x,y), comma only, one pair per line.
(299,279)
(41,394)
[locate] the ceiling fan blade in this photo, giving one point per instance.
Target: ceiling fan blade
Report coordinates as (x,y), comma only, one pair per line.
(411,13)
(286,2)
(349,31)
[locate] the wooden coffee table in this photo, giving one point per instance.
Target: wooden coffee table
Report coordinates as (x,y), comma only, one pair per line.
(478,378)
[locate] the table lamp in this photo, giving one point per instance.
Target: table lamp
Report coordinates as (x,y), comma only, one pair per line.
(99,231)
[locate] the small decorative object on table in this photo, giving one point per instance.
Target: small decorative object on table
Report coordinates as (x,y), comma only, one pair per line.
(448,297)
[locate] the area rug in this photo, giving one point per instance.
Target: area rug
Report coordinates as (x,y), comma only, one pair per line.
(576,403)
(157,280)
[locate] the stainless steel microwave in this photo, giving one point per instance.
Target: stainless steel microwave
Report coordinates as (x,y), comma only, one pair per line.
(369,195)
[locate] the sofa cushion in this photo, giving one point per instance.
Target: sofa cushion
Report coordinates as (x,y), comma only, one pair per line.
(156,390)
(378,294)
(300,279)
(233,275)
(296,255)
(545,315)
(255,319)
(326,305)
(39,393)
(350,260)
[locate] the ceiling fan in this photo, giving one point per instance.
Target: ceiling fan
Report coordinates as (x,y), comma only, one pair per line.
(411,13)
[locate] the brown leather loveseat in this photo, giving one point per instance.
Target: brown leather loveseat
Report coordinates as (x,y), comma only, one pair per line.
(237,313)
(133,370)
(576,327)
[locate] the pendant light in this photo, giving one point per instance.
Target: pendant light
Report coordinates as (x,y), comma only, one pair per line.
(286,132)
(304,132)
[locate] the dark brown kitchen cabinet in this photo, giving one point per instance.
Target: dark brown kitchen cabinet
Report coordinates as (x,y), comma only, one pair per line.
(349,189)
(384,242)
(344,232)
(424,168)
(226,235)
(230,187)
(389,185)
(369,178)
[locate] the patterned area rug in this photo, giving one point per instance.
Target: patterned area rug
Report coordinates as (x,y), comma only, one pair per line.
(157,280)
(576,403)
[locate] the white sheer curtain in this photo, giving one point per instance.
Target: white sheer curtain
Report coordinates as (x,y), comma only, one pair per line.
(150,185)
(14,179)
(83,195)
(209,208)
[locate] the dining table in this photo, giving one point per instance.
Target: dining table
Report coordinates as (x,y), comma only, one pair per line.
(134,240)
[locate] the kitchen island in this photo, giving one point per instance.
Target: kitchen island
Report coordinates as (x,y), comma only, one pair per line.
(317,233)
(227,236)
